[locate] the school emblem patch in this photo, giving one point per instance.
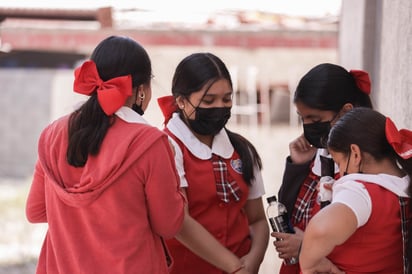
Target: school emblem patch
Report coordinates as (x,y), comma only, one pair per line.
(236,165)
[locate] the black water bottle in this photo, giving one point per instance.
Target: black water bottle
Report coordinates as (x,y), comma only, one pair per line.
(279,221)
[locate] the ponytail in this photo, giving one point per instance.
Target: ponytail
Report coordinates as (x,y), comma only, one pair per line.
(248,155)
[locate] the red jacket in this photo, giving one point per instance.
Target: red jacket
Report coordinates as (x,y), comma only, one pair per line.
(110,215)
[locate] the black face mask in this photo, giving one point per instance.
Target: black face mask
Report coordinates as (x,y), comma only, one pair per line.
(317,133)
(209,121)
(137,109)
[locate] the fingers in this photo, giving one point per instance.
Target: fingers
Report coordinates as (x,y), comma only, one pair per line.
(279,244)
(328,186)
(336,270)
(300,150)
(280,235)
(302,143)
(284,253)
(282,248)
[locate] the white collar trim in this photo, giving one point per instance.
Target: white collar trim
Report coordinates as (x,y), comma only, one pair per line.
(221,144)
(395,184)
(130,116)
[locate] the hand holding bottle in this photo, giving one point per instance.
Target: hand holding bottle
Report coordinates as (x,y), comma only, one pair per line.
(289,244)
(279,221)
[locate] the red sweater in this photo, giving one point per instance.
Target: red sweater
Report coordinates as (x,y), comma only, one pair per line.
(110,215)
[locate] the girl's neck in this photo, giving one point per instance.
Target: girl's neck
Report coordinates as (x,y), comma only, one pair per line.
(384,166)
(205,139)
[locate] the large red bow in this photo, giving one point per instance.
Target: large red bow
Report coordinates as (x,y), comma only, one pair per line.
(111,94)
(167,105)
(401,141)
(362,80)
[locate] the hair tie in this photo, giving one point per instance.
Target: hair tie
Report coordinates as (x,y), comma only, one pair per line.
(111,94)
(401,141)
(362,80)
(168,106)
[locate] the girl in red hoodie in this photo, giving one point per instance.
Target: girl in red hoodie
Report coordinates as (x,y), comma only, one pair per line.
(105,180)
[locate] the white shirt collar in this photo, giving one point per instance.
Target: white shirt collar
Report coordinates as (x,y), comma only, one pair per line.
(221,143)
(130,116)
(395,184)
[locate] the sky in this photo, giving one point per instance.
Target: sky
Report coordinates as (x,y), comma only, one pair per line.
(185,7)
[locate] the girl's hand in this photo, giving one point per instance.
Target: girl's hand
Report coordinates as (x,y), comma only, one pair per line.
(250,265)
(324,266)
(301,151)
(244,271)
(288,244)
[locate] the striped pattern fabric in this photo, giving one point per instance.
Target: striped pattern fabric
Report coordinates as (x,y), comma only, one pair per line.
(226,187)
(305,202)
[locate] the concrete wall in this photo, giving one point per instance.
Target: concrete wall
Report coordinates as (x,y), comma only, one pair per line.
(25,110)
(376,35)
(395,67)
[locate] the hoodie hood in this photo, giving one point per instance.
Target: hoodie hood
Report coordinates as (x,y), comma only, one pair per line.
(123,145)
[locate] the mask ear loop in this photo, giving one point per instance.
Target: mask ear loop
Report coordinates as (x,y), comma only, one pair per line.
(334,117)
(347,164)
(136,107)
(212,81)
(194,108)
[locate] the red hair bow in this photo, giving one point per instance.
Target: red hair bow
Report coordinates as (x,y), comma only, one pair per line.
(362,80)
(111,94)
(168,106)
(401,141)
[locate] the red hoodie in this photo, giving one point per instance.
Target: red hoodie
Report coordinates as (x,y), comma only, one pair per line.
(110,215)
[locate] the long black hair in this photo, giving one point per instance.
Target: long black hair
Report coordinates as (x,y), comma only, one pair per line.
(114,56)
(195,72)
(366,128)
(329,87)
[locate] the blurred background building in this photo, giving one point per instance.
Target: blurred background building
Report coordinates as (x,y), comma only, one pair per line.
(266,52)
(266,49)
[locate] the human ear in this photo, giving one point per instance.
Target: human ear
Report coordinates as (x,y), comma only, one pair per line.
(356,154)
(180,101)
(347,107)
(141,94)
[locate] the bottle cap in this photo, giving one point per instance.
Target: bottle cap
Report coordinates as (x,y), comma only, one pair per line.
(271,199)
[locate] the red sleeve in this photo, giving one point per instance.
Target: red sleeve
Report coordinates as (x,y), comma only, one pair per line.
(164,198)
(36,204)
